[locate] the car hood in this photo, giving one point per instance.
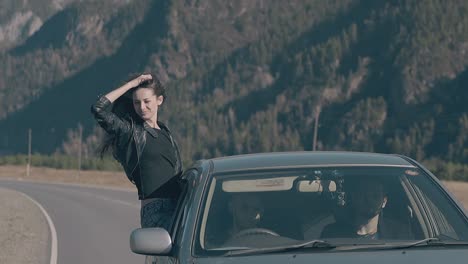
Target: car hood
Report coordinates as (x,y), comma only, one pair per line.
(426,256)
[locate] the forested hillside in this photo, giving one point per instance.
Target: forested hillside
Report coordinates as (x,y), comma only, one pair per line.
(249,75)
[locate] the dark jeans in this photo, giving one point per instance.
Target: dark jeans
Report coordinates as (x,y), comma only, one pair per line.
(158,213)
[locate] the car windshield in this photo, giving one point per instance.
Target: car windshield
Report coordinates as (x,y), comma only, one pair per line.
(331,205)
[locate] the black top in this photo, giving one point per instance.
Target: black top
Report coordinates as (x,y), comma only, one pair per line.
(130,134)
(157,165)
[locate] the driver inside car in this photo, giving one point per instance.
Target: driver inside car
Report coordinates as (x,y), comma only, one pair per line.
(246,210)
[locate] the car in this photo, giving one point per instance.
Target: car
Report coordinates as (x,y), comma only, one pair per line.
(310,207)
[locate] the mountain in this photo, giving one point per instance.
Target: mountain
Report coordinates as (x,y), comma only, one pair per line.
(250,75)
(21,19)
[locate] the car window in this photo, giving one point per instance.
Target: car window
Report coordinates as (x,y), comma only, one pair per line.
(343,204)
(445,220)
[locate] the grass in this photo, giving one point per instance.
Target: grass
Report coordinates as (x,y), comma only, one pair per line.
(460,190)
(98,178)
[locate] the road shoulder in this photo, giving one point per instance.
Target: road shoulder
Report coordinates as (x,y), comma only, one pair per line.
(25,232)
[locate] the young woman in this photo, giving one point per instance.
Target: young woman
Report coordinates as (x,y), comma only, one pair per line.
(143,145)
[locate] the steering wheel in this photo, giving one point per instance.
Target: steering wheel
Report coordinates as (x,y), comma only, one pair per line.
(255,231)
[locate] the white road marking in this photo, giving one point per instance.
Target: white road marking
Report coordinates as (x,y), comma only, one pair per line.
(108,199)
(53,232)
(105,198)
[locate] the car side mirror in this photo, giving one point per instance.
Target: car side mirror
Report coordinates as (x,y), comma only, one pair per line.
(150,241)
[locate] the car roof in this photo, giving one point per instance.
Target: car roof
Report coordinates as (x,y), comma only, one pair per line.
(276,160)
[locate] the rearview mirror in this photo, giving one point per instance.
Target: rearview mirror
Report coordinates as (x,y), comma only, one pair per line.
(316,186)
(150,241)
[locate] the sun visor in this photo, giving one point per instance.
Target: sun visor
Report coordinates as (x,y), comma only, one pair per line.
(259,185)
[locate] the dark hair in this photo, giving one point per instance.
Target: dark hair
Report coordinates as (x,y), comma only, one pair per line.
(153,84)
(123,108)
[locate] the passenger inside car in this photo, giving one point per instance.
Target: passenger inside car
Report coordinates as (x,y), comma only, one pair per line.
(363,216)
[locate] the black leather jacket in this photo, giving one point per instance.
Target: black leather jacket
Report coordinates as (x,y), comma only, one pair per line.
(131,139)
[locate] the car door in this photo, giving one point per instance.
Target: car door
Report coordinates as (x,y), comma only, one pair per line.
(179,221)
(179,230)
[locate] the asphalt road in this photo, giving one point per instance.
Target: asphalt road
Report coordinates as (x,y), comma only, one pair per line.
(92,225)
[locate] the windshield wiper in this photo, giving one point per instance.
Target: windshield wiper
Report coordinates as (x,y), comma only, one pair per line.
(431,241)
(427,242)
(284,248)
(321,244)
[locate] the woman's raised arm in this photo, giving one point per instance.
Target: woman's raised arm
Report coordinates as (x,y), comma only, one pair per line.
(115,94)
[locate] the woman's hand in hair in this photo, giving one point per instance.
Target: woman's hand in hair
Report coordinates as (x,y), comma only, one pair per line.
(138,80)
(113,95)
